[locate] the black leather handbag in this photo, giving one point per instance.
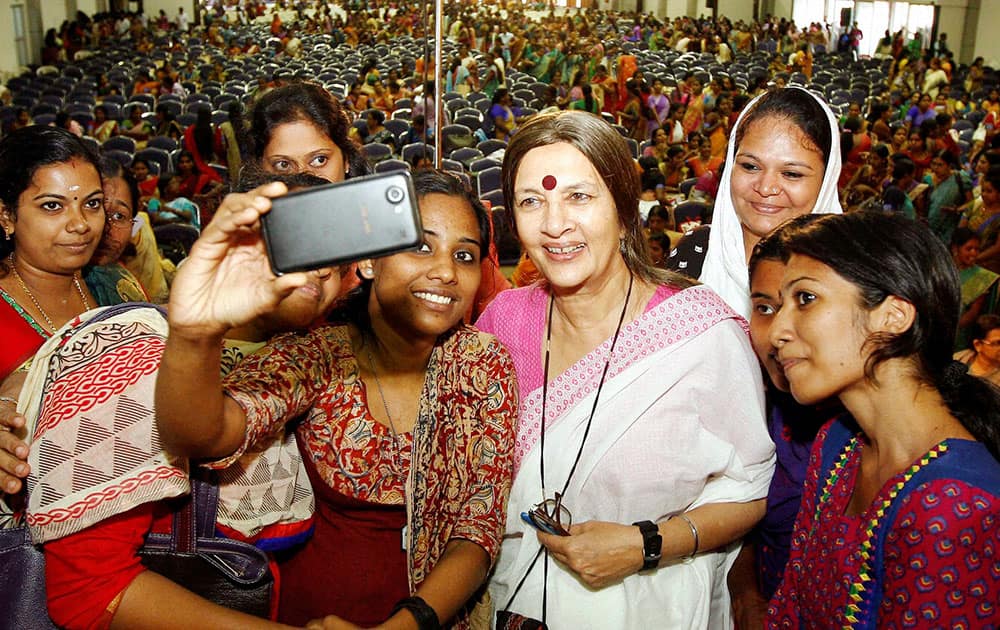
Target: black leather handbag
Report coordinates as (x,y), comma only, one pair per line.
(227,572)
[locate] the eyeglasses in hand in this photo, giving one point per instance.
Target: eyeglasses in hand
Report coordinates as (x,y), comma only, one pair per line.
(550,516)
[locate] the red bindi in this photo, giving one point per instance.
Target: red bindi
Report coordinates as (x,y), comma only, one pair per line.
(548,182)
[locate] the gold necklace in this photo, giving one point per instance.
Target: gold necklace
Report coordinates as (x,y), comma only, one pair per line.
(385,406)
(34,300)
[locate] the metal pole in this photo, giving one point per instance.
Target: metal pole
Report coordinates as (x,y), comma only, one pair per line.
(438,85)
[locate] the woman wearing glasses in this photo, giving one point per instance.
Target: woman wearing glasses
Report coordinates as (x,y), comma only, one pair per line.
(106,276)
(983,354)
(641,431)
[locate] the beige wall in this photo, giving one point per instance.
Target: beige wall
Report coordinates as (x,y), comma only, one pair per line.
(783,8)
(8,54)
(952,22)
(152,7)
(736,9)
(988,29)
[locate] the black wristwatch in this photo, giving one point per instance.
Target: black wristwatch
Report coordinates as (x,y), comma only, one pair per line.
(652,544)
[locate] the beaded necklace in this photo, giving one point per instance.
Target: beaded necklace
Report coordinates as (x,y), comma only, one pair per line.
(856,592)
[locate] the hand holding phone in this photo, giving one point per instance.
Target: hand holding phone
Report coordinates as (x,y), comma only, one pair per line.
(224,281)
(325,226)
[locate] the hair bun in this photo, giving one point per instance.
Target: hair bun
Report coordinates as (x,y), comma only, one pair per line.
(953,373)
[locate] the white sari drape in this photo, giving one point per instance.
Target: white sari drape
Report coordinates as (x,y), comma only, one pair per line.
(680,423)
(725,268)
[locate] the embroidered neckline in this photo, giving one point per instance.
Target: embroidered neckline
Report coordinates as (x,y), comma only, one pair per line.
(856,592)
(9,299)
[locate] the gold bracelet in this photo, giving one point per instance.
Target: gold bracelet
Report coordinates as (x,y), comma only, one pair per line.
(694,532)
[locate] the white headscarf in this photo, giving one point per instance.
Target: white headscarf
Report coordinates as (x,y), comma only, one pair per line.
(725,268)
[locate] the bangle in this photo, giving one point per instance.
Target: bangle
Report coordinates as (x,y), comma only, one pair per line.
(694,532)
(8,399)
(426,618)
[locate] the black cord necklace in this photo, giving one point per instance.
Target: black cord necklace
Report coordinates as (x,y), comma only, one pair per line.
(586,430)
(579,452)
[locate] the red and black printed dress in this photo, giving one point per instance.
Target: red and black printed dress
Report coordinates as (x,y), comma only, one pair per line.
(383,515)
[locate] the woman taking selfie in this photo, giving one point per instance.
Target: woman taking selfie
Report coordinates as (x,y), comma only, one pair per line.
(650,473)
(408,415)
(899,513)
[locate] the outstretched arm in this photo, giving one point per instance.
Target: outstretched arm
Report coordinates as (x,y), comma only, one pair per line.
(225,282)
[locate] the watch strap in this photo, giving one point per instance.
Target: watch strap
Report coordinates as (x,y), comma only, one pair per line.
(652,544)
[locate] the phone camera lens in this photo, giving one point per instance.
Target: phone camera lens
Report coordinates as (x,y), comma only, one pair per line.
(394,194)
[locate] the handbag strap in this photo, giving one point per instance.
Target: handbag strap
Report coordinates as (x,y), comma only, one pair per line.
(195,520)
(193,533)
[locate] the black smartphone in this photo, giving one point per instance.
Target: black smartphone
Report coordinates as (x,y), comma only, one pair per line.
(360,218)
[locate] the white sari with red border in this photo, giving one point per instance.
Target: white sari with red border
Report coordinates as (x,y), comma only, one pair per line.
(680,424)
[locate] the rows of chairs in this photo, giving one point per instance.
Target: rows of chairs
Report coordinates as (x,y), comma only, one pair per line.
(161,153)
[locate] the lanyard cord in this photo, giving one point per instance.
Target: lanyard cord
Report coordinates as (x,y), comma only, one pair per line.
(579,452)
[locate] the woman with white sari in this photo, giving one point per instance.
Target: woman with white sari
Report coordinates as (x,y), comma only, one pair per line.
(641,428)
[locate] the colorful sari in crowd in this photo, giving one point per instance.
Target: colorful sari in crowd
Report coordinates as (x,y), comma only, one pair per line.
(99,473)
(105,130)
(113,284)
(663,441)
(628,65)
(945,197)
(153,272)
(976,283)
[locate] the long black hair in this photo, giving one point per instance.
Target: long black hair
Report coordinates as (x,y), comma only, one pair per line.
(204,136)
(885,255)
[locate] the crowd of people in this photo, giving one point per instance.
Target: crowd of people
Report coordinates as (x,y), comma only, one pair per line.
(758,421)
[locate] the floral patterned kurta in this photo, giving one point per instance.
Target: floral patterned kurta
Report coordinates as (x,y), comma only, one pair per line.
(461,460)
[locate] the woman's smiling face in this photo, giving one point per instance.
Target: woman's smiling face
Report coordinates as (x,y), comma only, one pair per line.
(426,292)
(777,176)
